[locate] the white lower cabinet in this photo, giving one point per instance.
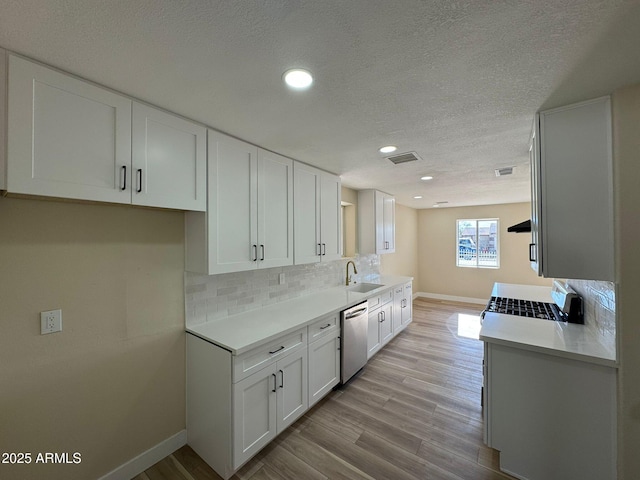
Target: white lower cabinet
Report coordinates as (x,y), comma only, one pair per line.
(267,402)
(402,305)
(380,329)
(237,404)
(324,366)
(551,418)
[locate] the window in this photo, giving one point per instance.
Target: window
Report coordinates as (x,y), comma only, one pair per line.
(477,243)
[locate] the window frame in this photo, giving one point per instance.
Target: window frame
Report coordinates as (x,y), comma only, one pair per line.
(476,239)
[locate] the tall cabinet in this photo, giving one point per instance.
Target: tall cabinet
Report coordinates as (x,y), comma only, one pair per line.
(572,192)
(376,222)
(316,215)
(249,219)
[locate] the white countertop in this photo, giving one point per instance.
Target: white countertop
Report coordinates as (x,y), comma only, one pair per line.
(568,340)
(242,332)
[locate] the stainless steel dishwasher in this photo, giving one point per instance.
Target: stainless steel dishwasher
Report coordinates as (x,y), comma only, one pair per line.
(353,340)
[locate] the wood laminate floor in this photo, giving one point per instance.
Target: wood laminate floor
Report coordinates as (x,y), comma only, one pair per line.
(413,413)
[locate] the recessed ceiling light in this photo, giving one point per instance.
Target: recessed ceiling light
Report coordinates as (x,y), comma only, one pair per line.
(298,78)
(388,149)
(418,197)
(436,205)
(426,177)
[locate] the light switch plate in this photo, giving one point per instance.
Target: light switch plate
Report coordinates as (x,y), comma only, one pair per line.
(50,321)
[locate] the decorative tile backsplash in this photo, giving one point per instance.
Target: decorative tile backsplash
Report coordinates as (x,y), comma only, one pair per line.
(209,297)
(599,306)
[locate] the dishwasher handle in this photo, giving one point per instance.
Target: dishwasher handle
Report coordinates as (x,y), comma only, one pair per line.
(355,313)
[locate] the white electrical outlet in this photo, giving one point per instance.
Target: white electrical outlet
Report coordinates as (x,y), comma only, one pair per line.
(50,321)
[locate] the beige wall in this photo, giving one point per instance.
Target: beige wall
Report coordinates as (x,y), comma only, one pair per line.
(626,127)
(437,269)
(112,383)
(405,259)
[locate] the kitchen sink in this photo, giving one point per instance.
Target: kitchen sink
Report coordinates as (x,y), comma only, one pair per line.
(364,287)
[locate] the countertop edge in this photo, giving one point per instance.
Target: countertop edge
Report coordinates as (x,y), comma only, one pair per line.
(606,362)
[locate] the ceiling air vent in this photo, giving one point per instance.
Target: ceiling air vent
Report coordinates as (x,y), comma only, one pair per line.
(503,171)
(404,157)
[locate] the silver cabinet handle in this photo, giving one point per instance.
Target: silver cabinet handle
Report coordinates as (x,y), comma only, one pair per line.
(326,326)
(324,249)
(123,177)
(531,245)
(262,248)
(255,253)
(319,250)
(281,378)
(139,180)
(277,350)
(274,382)
(380,317)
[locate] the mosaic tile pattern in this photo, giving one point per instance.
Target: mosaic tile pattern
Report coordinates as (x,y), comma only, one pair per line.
(209,297)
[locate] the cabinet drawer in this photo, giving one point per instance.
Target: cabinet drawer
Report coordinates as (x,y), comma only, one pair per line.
(407,292)
(380,299)
(253,360)
(324,326)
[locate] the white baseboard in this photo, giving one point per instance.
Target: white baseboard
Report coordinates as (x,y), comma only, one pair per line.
(139,464)
(452,298)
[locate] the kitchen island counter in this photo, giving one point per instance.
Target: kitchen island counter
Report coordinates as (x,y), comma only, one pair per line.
(575,341)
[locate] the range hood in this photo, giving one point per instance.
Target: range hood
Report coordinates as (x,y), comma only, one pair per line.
(520,227)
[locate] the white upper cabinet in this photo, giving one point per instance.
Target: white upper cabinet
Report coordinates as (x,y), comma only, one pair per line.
(275,210)
(66,138)
(317,230)
(3,117)
(71,139)
(572,177)
(249,219)
(376,222)
(168,160)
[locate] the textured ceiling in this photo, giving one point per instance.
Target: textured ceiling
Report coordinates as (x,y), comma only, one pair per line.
(457,82)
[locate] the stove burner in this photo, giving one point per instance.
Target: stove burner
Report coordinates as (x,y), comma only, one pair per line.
(524,308)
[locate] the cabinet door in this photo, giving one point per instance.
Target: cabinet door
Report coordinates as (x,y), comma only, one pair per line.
(168,160)
(3,117)
(577,191)
(254,414)
(407,305)
(275,210)
(398,301)
(233,206)
(389,224)
(386,323)
(66,137)
(535,247)
(293,389)
(306,214)
(379,222)
(373,333)
(324,367)
(330,229)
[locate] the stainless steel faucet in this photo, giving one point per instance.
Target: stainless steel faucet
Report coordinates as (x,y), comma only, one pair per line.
(355,270)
